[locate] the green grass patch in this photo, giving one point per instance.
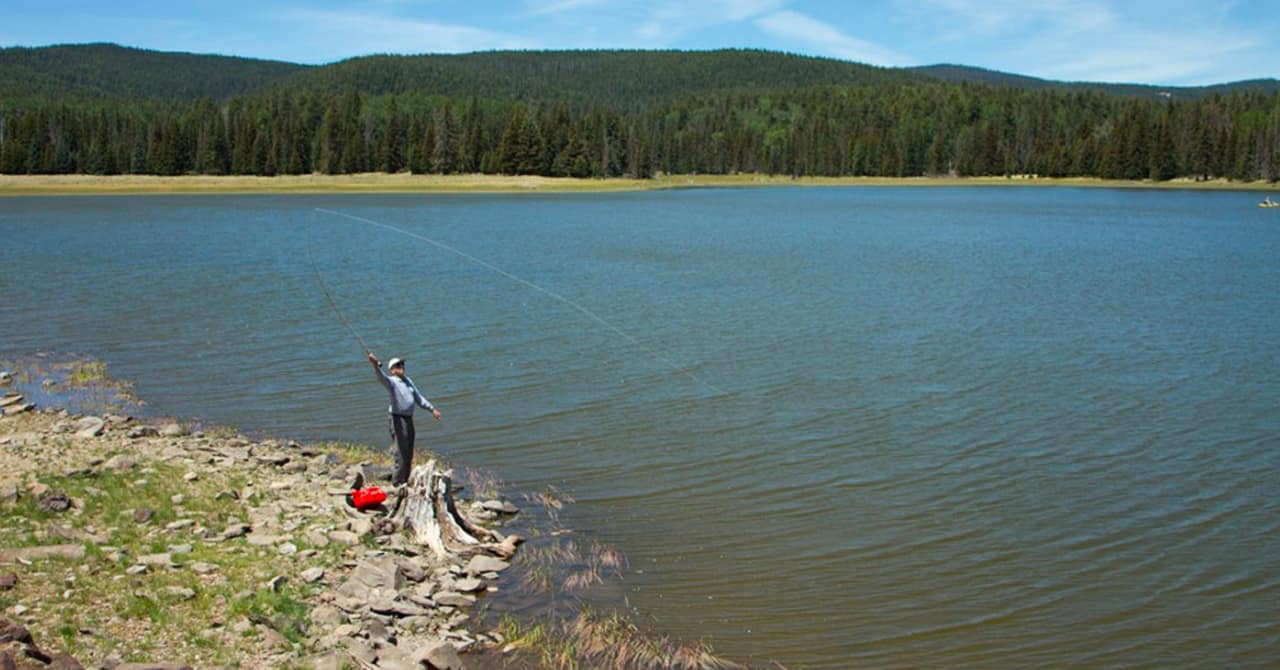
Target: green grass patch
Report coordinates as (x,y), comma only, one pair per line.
(87,372)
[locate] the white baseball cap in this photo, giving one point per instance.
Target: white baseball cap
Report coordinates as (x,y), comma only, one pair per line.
(394,362)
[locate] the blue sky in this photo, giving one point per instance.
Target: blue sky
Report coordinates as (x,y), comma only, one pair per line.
(1169,42)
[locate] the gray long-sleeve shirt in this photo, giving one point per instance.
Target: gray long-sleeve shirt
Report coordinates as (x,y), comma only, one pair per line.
(404,395)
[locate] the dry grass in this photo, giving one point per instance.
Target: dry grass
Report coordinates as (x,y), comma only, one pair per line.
(479,183)
(312,183)
(612,641)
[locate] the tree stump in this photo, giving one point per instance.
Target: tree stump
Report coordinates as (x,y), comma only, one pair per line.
(425,509)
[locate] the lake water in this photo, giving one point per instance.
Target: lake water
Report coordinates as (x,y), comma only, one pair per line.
(867,427)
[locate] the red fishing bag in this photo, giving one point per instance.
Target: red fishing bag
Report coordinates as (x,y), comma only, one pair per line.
(367,497)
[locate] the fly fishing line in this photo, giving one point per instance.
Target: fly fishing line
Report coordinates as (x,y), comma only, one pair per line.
(525,282)
(333,304)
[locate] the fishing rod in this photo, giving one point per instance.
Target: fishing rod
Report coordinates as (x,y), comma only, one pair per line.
(333,304)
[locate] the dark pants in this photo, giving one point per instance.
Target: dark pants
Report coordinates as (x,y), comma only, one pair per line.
(402,431)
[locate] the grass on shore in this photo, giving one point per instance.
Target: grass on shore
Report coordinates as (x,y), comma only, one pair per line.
(94,605)
(16,185)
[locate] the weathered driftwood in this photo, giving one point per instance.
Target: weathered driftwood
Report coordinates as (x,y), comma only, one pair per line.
(425,509)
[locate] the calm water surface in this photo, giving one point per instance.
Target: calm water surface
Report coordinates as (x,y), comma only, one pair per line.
(884,428)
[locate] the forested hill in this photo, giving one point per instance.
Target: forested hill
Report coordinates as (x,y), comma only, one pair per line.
(963,73)
(615,78)
(104,109)
(618,79)
(108,70)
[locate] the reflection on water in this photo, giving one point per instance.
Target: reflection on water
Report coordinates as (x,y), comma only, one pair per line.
(942,427)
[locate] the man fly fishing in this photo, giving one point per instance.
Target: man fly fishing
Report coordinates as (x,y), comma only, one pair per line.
(404,398)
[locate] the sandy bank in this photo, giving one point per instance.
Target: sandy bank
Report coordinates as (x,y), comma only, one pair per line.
(16,185)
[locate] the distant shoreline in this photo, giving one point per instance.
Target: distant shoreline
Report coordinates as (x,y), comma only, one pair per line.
(34,185)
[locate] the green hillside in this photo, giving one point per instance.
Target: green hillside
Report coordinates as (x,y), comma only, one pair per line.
(620,79)
(977,75)
(104,109)
(109,70)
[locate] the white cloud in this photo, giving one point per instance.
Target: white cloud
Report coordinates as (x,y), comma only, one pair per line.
(544,7)
(1170,41)
(827,39)
(969,19)
(668,21)
(1140,58)
(345,34)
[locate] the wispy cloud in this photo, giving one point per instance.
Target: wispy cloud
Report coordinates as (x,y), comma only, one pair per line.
(826,39)
(1148,58)
(1171,41)
(545,7)
(668,21)
(970,19)
(342,34)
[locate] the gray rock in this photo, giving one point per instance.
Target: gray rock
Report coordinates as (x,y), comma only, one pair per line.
(142,515)
(90,426)
(344,537)
(360,525)
(8,493)
(157,560)
(120,463)
(312,575)
(201,568)
(142,431)
(6,377)
(414,569)
(361,650)
(393,659)
(379,573)
(10,400)
(501,506)
(349,603)
(376,630)
(180,524)
(8,580)
(273,459)
(439,655)
(173,430)
(469,585)
(329,661)
(317,539)
(180,592)
(180,549)
(53,501)
(325,615)
(397,608)
(288,549)
(152,666)
(453,599)
(134,570)
(235,530)
(478,565)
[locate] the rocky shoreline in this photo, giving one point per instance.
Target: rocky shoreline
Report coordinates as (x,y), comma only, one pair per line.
(143,545)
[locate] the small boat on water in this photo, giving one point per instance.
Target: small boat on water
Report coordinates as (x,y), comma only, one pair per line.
(1268,202)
